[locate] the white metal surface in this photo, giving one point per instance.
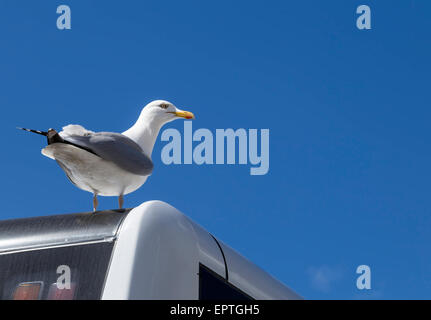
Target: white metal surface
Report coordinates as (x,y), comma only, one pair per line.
(157,255)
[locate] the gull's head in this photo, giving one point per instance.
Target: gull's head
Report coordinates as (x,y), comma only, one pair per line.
(161,112)
(153,116)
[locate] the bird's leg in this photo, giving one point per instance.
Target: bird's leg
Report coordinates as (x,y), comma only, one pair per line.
(120,201)
(95,202)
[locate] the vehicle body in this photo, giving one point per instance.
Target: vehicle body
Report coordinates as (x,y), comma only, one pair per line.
(150,252)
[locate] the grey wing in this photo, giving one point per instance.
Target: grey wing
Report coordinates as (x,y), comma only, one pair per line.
(116,148)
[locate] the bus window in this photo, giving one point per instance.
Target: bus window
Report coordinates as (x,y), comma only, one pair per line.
(36,274)
(214,287)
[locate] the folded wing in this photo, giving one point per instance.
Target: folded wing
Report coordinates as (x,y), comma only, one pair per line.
(113,147)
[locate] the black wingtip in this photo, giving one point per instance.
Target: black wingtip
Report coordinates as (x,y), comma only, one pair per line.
(43,133)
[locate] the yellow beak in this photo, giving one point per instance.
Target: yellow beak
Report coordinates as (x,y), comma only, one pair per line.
(184,114)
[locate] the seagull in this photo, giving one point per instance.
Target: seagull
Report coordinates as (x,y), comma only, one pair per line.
(109,163)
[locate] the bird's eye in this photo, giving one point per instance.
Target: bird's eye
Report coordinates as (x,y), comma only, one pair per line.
(164,106)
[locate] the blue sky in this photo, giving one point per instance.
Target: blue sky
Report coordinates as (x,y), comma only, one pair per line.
(348,113)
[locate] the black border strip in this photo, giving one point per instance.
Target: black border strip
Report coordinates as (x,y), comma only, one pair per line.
(224,258)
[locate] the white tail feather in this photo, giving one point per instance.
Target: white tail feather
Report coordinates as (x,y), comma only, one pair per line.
(75,130)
